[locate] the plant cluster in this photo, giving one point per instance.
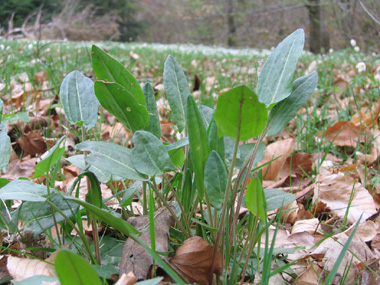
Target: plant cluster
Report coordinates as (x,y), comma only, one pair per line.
(203,179)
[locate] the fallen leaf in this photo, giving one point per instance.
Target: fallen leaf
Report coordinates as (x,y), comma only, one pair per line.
(22,268)
(193,260)
(345,133)
(311,276)
(335,191)
(32,143)
(278,152)
(134,257)
(366,116)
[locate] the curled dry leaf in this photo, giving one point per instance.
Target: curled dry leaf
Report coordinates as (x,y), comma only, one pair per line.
(32,143)
(126,279)
(22,268)
(336,190)
(278,152)
(134,257)
(366,231)
(345,133)
(310,225)
(311,276)
(193,260)
(296,212)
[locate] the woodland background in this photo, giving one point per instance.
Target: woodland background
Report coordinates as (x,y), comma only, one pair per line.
(234,23)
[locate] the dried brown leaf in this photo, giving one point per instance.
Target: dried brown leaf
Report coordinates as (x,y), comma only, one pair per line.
(335,191)
(345,133)
(278,152)
(22,268)
(193,260)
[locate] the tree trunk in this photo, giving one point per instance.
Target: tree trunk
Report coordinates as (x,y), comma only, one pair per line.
(231,26)
(315,41)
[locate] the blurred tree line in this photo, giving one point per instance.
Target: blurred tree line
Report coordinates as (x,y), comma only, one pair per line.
(234,23)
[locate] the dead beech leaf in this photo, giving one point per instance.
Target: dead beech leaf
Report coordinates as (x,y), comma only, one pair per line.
(21,168)
(311,276)
(134,257)
(296,212)
(193,260)
(32,143)
(127,279)
(22,268)
(329,250)
(278,152)
(345,133)
(335,191)
(366,231)
(311,226)
(367,117)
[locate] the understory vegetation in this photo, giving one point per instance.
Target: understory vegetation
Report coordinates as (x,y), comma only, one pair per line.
(188,164)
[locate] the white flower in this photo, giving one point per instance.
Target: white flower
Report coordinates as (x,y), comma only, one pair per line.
(357,49)
(30,46)
(2,47)
(353,43)
(361,67)
(331,50)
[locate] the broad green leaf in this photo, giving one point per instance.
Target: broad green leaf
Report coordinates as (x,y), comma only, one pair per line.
(128,194)
(276,77)
(154,120)
(150,156)
(78,100)
(108,69)
(245,150)
(12,118)
(215,179)
(102,175)
(239,111)
(277,198)
(24,190)
(37,280)
(285,110)
(122,104)
(178,144)
(110,250)
(206,114)
(74,269)
(107,217)
(216,143)
(177,89)
(255,199)
(177,157)
(106,271)
(1,109)
(199,148)
(55,154)
(112,158)
(5,147)
(38,216)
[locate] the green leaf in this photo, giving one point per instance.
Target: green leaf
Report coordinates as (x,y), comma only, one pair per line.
(178,144)
(37,280)
(102,175)
(245,150)
(107,217)
(277,198)
(110,250)
(55,154)
(206,114)
(177,89)
(216,143)
(198,140)
(215,179)
(1,109)
(5,147)
(108,69)
(255,199)
(153,281)
(112,158)
(74,269)
(24,190)
(285,110)
(11,118)
(154,121)
(239,110)
(177,157)
(121,103)
(276,77)
(38,216)
(78,100)
(150,156)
